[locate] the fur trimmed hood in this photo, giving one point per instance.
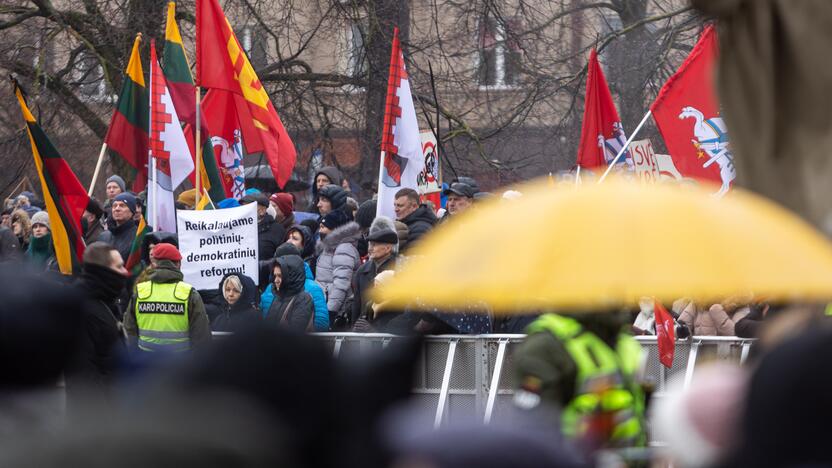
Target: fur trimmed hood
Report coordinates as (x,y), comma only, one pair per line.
(348,233)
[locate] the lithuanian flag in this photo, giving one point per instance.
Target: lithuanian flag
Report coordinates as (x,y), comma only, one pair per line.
(127,135)
(182,92)
(65,197)
(134,260)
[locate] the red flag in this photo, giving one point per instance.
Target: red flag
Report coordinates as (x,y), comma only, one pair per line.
(665,333)
(222,66)
(602,135)
(688,117)
(218,108)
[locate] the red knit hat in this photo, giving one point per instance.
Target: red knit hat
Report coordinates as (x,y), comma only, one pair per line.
(165,251)
(284,201)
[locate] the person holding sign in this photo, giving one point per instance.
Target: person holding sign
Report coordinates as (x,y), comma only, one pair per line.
(166,314)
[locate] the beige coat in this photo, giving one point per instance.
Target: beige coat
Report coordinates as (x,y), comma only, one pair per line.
(713,321)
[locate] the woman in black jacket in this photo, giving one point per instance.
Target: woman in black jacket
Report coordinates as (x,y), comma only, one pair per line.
(292,306)
(236,304)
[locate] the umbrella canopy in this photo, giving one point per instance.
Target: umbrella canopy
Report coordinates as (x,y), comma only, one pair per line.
(606,245)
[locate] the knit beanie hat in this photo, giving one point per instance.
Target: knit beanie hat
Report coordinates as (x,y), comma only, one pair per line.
(366,214)
(41,217)
(284,201)
(228,203)
(118,180)
(128,199)
(335,219)
(335,194)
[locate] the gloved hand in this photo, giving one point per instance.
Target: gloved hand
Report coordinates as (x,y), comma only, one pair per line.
(362,326)
(682,330)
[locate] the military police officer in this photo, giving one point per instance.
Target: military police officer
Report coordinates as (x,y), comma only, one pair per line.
(166,314)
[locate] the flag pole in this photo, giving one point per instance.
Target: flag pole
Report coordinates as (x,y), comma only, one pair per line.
(378,188)
(198,145)
(151,161)
(97,168)
(624,148)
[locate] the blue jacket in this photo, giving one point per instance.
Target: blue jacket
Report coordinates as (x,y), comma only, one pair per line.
(314,289)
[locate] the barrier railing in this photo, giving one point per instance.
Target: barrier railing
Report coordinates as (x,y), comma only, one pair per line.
(473,375)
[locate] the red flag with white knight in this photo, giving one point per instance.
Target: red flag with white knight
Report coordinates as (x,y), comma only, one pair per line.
(168,148)
(222,67)
(602,135)
(665,334)
(688,117)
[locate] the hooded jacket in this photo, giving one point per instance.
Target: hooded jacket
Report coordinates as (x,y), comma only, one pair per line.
(300,316)
(100,342)
(335,178)
(419,223)
(713,321)
(199,328)
(318,299)
(338,260)
(241,315)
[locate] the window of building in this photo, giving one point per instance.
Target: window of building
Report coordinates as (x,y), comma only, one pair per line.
(499,53)
(357,65)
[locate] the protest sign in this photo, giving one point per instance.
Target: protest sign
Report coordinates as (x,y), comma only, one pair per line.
(430,183)
(216,242)
(644,160)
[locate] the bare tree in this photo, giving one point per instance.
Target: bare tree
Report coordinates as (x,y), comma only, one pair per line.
(501,82)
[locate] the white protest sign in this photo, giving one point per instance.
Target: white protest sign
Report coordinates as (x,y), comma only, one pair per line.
(644,160)
(216,242)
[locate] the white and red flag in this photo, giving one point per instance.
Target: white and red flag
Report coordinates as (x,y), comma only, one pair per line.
(402,159)
(602,135)
(168,150)
(687,114)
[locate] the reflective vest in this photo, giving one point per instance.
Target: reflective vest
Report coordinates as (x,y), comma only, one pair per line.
(162,316)
(607,399)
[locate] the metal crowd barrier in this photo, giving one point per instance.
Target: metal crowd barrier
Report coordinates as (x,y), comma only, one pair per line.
(472,375)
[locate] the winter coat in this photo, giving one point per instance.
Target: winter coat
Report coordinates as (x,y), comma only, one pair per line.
(713,321)
(41,252)
(338,260)
(199,327)
(419,223)
(363,280)
(121,237)
(335,178)
(270,235)
(318,299)
(292,307)
(101,342)
(9,246)
(243,314)
(93,232)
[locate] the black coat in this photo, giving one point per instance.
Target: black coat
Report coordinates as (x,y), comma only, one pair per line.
(232,318)
(120,237)
(101,343)
(270,234)
(9,246)
(363,280)
(419,223)
(302,312)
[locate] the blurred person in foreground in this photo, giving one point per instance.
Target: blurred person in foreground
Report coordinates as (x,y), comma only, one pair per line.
(589,368)
(166,314)
(101,342)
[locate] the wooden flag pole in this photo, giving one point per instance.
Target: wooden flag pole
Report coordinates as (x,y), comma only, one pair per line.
(624,148)
(97,168)
(198,145)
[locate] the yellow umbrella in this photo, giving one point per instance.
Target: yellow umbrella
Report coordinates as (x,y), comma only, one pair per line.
(601,245)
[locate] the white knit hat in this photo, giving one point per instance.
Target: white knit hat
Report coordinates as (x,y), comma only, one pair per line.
(41,217)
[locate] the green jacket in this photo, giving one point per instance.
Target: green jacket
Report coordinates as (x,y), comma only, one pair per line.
(199,327)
